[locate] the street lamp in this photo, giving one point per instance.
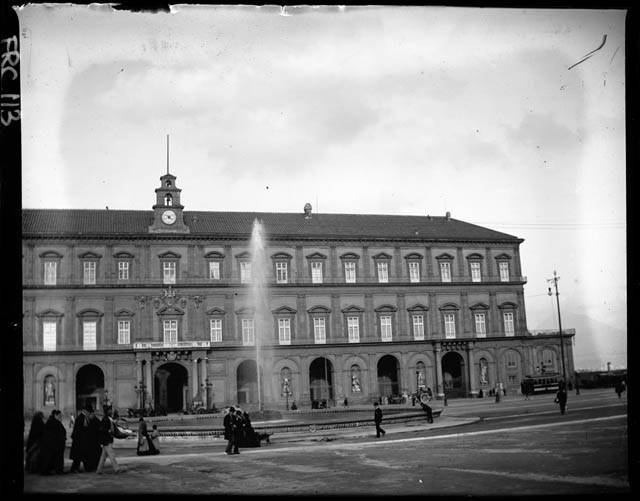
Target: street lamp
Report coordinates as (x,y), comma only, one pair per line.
(140,389)
(555,283)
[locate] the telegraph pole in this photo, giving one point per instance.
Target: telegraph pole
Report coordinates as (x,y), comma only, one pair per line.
(555,283)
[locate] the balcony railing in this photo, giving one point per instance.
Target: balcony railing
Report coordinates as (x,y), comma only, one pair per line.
(160,345)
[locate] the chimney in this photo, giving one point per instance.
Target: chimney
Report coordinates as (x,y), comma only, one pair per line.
(307,210)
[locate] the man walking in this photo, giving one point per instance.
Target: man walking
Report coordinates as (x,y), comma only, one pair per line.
(229,423)
(561,399)
(106,440)
(377,418)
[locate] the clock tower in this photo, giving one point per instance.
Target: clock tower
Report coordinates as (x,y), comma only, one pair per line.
(167,211)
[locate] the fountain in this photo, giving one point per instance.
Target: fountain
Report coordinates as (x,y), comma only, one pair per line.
(259,297)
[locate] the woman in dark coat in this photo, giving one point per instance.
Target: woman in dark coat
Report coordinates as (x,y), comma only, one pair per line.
(34,442)
(146,446)
(53,444)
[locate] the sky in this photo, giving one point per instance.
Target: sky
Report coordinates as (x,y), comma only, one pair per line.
(491,114)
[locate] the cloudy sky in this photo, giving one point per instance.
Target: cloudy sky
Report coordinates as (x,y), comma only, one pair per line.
(491,114)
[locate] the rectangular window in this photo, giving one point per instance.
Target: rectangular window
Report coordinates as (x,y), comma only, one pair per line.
(123,270)
(281,273)
(350,272)
(248,336)
(445,271)
(481,325)
(319,331)
(124,332)
(169,272)
(414,271)
(475,272)
(49,335)
(89,328)
(449,326)
(50,268)
(170,331)
(383,272)
(509,329)
(316,272)
(284,330)
(245,272)
(214,270)
(353,326)
(215,329)
(418,327)
(385,328)
(89,275)
(504,271)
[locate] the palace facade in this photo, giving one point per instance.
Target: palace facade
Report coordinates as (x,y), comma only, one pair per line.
(152,309)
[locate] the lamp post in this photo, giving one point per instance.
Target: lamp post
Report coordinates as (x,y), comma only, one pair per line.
(555,283)
(140,390)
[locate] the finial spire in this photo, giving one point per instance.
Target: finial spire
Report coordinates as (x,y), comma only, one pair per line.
(167,153)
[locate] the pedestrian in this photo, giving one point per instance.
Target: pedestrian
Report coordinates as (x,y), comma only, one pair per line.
(107,433)
(428,410)
(238,430)
(81,440)
(72,421)
(620,387)
(294,407)
(34,442)
(429,394)
(377,419)
(54,438)
(229,432)
(145,442)
(155,437)
(561,399)
(346,402)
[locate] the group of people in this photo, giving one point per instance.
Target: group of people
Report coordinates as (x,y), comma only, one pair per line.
(239,432)
(148,441)
(92,442)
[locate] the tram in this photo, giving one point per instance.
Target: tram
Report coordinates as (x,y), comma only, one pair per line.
(545,383)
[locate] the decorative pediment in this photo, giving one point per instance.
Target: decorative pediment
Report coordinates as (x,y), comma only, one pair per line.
(123,255)
(284,310)
(503,256)
(475,256)
(281,255)
(508,305)
(381,255)
(417,308)
(123,313)
(246,310)
(170,310)
(169,255)
(244,255)
(216,311)
(386,308)
(350,255)
(319,310)
(89,312)
(89,255)
(353,309)
(413,255)
(479,306)
(316,255)
(445,256)
(214,255)
(49,313)
(449,307)
(51,255)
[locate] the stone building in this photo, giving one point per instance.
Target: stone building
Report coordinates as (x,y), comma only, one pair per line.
(152,308)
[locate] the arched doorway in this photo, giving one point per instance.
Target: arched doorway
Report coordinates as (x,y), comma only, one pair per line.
(453,382)
(321,380)
(89,387)
(171,387)
(388,380)
(247,377)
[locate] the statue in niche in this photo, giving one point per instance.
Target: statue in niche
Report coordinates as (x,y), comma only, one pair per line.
(421,382)
(355,383)
(483,374)
(49,391)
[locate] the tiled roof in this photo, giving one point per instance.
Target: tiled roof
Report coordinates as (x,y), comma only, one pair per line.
(130,223)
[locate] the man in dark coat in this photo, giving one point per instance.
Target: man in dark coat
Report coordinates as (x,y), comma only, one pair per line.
(229,430)
(561,399)
(34,442)
(377,418)
(428,410)
(85,440)
(53,444)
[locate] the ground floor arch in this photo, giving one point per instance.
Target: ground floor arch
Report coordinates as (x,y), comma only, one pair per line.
(321,380)
(454,378)
(171,387)
(247,383)
(388,370)
(90,388)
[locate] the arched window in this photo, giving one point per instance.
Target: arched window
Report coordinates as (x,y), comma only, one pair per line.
(168,199)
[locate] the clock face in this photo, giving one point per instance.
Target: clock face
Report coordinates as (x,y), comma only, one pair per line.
(168,217)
